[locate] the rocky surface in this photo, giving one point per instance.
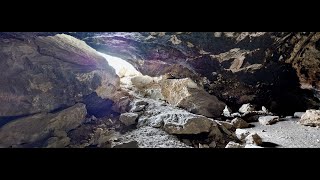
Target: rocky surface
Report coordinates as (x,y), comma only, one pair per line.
(268,120)
(239,123)
(182,79)
(310,118)
(239,66)
(128,118)
(253,138)
(241,134)
(232,144)
(43,74)
(186,94)
(287,134)
(33,130)
(149,137)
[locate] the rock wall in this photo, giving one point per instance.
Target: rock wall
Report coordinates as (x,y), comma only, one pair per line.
(49,73)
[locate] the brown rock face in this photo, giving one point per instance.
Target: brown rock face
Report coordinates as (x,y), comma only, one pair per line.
(42,74)
(185,93)
(39,127)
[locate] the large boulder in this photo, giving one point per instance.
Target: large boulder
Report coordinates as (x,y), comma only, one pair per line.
(187,94)
(187,125)
(310,118)
(37,128)
(46,73)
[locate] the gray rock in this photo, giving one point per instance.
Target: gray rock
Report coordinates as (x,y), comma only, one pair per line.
(298,114)
(226,124)
(236,115)
(185,93)
(232,144)
(188,125)
(203,145)
(264,109)
(41,126)
(137,108)
(310,118)
(239,123)
(268,120)
(242,134)
(213,144)
(58,142)
(253,138)
(246,108)
(50,72)
(131,144)
(252,146)
(128,118)
(227,111)
(149,137)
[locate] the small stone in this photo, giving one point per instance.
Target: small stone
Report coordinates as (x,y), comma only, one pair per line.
(138,108)
(232,144)
(227,111)
(268,120)
(263,130)
(203,145)
(253,138)
(128,118)
(235,115)
(213,144)
(264,109)
(239,123)
(242,134)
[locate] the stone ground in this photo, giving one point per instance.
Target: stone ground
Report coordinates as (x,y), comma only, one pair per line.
(288,134)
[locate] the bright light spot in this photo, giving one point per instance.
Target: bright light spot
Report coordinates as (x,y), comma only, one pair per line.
(123,69)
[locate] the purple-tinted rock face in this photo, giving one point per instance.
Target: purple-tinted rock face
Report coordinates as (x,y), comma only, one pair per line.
(240,67)
(262,68)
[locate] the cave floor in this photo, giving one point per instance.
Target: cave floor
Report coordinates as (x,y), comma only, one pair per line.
(288,134)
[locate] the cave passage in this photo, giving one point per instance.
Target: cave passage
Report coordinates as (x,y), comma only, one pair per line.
(122,67)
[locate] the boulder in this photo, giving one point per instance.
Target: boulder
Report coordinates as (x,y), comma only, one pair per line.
(239,123)
(268,120)
(310,118)
(246,108)
(128,118)
(187,125)
(298,114)
(39,127)
(227,111)
(242,134)
(253,138)
(186,94)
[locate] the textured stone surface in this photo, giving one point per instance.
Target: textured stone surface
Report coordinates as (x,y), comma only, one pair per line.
(39,127)
(186,94)
(128,118)
(239,123)
(49,73)
(268,120)
(310,118)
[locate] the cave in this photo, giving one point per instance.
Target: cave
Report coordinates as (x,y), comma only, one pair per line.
(159,90)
